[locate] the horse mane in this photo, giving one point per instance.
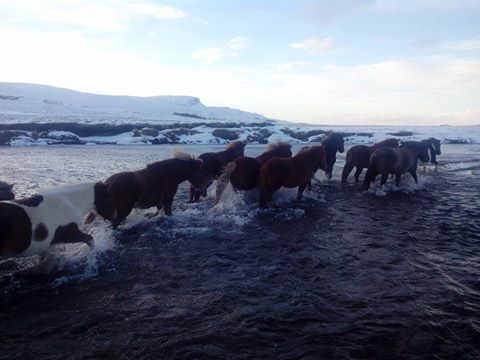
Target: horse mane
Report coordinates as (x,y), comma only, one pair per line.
(181,154)
(415,144)
(235,144)
(278,144)
(332,138)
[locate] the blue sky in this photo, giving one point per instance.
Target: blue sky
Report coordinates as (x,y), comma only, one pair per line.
(414,62)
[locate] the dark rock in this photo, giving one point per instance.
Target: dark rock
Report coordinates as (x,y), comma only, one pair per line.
(60,138)
(136,133)
(7,135)
(149,131)
(226,134)
(402,133)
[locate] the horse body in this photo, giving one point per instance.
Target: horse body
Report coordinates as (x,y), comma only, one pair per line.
(213,164)
(153,186)
(244,172)
(291,172)
(358,156)
(30,226)
(387,161)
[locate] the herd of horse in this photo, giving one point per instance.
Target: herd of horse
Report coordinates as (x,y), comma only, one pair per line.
(31,225)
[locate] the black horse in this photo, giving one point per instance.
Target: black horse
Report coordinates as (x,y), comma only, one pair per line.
(434,146)
(333,143)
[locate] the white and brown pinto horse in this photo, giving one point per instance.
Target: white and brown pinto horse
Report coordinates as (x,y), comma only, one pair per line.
(30,226)
(388,160)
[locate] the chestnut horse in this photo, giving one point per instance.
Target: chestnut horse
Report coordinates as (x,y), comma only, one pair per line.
(333,143)
(6,192)
(359,156)
(32,225)
(243,173)
(155,185)
(213,164)
(291,172)
(387,161)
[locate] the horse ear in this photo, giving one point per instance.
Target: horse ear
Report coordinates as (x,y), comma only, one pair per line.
(10,186)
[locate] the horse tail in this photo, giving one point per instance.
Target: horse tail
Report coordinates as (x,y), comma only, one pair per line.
(224,179)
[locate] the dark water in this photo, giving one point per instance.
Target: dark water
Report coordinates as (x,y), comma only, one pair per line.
(343,274)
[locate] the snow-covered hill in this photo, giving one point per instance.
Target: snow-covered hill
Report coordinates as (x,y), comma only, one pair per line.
(24,103)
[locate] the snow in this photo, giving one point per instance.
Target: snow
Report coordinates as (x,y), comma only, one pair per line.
(41,103)
(26,103)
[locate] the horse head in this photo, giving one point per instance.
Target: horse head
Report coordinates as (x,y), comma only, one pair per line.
(6,191)
(15,229)
(197,178)
(236,149)
(436,145)
(333,143)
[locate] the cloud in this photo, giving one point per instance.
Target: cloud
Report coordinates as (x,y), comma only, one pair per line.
(105,15)
(465,45)
(238,43)
(432,90)
(315,45)
(212,55)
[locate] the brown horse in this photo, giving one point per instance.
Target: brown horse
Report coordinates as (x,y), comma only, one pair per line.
(359,156)
(333,143)
(387,161)
(243,173)
(155,185)
(213,164)
(291,172)
(6,192)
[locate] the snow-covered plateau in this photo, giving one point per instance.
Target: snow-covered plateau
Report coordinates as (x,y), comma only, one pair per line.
(32,114)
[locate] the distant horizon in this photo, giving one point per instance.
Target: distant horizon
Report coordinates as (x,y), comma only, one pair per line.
(294,122)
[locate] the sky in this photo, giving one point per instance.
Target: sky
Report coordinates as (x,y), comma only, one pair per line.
(375,62)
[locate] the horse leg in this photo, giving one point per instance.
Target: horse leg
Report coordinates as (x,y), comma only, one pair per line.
(265,197)
(167,200)
(193,195)
(369,178)
(124,209)
(346,171)
(358,171)
(301,189)
(384,178)
(414,175)
(397,178)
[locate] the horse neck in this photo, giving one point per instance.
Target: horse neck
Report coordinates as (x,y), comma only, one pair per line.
(82,195)
(309,157)
(230,154)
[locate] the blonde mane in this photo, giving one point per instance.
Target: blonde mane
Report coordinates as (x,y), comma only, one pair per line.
(235,144)
(181,154)
(278,144)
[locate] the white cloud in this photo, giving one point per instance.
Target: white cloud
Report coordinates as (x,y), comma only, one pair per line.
(210,55)
(231,49)
(314,45)
(238,43)
(466,45)
(105,15)
(284,67)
